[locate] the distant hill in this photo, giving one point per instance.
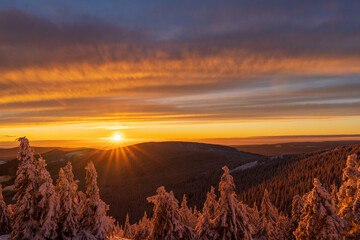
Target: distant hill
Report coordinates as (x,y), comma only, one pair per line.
(292,147)
(130,174)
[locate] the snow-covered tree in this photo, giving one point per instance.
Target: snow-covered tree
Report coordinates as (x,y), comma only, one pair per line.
(272,225)
(68,224)
(253,215)
(348,192)
(24,221)
(118,231)
(334,193)
(166,222)
(186,214)
(94,221)
(204,228)
(296,211)
(231,221)
(48,205)
(4,215)
(128,229)
(319,219)
(143,228)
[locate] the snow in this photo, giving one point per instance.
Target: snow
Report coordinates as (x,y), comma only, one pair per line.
(244,166)
(78,153)
(276,157)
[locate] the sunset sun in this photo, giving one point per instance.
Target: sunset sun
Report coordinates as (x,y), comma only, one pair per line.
(117,138)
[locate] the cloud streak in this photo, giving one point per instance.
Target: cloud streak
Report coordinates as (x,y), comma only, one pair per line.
(238,61)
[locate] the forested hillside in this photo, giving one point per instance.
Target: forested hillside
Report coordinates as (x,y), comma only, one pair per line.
(287,176)
(47,209)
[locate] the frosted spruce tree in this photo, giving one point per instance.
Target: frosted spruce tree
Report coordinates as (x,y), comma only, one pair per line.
(94,223)
(231,221)
(4,215)
(166,222)
(68,224)
(24,220)
(334,194)
(128,229)
(253,215)
(143,228)
(319,220)
(354,232)
(48,205)
(204,228)
(187,217)
(347,196)
(296,210)
(272,225)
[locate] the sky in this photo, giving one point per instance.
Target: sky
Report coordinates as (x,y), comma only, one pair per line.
(75,73)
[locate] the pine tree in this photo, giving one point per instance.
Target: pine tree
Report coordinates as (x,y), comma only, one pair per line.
(48,205)
(24,221)
(69,212)
(354,232)
(272,225)
(319,219)
(166,222)
(128,230)
(347,196)
(4,215)
(204,228)
(334,193)
(94,221)
(253,215)
(296,210)
(143,228)
(118,232)
(186,214)
(231,221)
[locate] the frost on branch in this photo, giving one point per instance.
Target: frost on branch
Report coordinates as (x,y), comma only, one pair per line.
(296,210)
(128,229)
(166,222)
(4,215)
(143,228)
(187,217)
(69,212)
(94,221)
(319,219)
(348,194)
(48,205)
(272,225)
(231,221)
(204,228)
(24,220)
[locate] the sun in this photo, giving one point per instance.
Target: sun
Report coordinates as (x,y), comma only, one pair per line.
(117,138)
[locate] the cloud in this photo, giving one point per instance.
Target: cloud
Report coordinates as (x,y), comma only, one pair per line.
(232,63)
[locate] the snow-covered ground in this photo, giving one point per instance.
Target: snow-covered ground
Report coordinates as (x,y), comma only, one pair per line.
(244,166)
(276,157)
